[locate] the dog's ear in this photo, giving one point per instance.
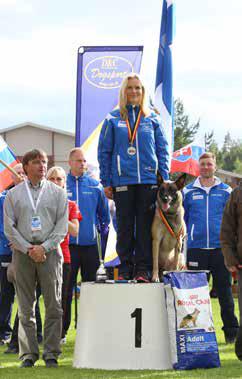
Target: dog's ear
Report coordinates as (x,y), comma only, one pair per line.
(181,181)
(159,179)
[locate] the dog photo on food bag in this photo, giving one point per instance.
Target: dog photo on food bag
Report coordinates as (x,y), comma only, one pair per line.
(168,228)
(190,319)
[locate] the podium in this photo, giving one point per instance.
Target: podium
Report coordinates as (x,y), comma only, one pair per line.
(122,326)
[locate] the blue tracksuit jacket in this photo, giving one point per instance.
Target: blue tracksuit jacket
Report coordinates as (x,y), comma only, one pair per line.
(117,167)
(4,243)
(203,213)
(93,204)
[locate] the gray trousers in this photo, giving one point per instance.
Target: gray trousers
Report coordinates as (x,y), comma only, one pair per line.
(49,274)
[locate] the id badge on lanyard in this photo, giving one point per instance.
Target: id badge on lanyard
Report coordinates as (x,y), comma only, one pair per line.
(35,220)
(35,224)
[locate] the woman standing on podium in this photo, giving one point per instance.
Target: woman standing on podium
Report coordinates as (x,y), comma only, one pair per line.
(132,147)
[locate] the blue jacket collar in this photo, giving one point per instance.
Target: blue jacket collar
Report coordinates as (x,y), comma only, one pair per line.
(198,184)
(73,177)
(130,108)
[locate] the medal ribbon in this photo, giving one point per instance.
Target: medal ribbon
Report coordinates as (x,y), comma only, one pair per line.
(169,227)
(136,125)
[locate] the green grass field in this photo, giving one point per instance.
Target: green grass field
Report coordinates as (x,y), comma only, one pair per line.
(231,367)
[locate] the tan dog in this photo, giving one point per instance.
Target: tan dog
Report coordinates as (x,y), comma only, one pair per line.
(168,228)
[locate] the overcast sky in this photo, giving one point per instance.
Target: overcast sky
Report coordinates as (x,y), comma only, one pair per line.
(39,41)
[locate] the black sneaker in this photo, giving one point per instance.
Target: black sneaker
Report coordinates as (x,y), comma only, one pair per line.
(39,339)
(27,363)
(230,339)
(11,350)
(51,363)
(213,293)
(230,335)
(142,277)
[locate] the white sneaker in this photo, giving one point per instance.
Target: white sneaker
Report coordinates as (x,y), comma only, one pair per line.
(63,341)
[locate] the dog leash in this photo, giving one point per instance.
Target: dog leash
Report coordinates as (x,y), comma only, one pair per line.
(169,228)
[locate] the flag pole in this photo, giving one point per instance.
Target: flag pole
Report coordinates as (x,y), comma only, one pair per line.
(10,168)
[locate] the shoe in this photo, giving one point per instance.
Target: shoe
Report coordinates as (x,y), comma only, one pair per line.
(11,350)
(39,339)
(49,363)
(230,339)
(213,293)
(63,341)
(4,340)
(124,276)
(142,277)
(27,363)
(238,344)
(230,335)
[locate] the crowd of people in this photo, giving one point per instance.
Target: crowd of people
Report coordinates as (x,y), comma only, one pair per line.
(45,239)
(50,223)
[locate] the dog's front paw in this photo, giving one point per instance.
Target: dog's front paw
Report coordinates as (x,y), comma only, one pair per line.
(181,262)
(155,278)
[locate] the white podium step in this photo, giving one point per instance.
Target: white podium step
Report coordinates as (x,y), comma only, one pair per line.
(122,326)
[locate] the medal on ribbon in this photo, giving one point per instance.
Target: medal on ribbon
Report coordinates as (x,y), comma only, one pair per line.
(132,134)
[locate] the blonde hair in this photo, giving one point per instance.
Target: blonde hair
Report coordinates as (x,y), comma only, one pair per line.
(53,170)
(123,97)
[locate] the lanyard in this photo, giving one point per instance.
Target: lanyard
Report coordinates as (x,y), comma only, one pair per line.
(136,125)
(31,197)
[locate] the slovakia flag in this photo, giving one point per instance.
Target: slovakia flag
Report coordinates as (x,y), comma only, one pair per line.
(187,160)
(8,157)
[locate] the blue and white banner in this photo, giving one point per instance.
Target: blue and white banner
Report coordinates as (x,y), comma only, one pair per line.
(163,87)
(100,71)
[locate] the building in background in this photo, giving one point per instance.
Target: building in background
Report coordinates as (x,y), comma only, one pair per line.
(28,135)
(231,178)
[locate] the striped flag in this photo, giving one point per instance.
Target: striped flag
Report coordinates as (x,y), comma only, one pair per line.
(163,87)
(7,156)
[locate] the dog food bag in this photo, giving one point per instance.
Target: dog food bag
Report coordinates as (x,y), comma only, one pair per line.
(191,329)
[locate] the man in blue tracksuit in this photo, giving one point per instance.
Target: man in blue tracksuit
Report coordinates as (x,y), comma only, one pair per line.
(204,202)
(90,197)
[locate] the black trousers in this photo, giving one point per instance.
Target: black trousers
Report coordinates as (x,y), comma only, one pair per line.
(135,208)
(85,258)
(65,288)
(6,298)
(213,260)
